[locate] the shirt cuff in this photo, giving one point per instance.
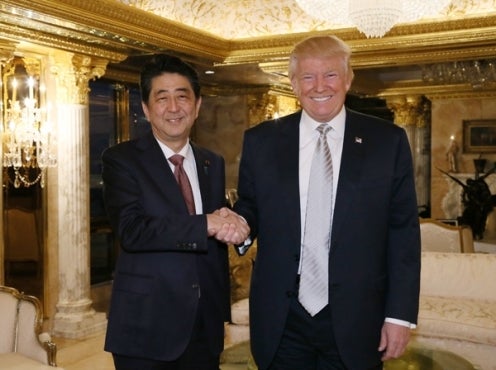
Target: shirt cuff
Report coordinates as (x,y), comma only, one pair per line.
(401,322)
(243,247)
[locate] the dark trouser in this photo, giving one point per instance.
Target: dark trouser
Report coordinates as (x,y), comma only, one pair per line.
(197,355)
(308,343)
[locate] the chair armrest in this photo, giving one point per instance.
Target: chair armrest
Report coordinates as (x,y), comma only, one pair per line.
(50,347)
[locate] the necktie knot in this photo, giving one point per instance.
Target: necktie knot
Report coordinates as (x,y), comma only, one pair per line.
(324,128)
(177,159)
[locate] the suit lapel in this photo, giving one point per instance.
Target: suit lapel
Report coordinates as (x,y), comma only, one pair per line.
(164,179)
(354,144)
(202,169)
(287,155)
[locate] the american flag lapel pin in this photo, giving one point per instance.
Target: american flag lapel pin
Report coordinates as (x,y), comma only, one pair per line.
(358,140)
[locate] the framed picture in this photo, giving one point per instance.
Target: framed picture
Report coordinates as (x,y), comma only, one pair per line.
(479,136)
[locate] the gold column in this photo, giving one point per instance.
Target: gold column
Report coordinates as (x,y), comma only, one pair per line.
(268,105)
(68,195)
(6,52)
(122,112)
(412,112)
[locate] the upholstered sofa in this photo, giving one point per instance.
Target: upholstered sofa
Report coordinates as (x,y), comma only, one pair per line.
(22,345)
(458,306)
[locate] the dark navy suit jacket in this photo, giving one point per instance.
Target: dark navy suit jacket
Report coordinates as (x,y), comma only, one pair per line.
(167,265)
(374,260)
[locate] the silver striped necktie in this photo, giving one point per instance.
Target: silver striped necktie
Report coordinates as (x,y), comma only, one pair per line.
(313,292)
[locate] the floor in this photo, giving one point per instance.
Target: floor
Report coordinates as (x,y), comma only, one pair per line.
(88,354)
(74,354)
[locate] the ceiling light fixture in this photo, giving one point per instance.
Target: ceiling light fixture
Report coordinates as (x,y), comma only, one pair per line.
(477,73)
(26,137)
(372,17)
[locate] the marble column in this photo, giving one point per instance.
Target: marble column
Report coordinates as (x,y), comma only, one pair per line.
(413,114)
(69,199)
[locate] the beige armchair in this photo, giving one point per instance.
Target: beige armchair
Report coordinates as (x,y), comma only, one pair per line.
(437,236)
(22,344)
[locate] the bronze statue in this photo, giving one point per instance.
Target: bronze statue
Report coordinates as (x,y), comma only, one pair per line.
(477,201)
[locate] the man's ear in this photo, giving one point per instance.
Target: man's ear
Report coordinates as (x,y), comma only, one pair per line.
(145,109)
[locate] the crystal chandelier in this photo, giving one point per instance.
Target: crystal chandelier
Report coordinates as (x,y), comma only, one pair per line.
(374,18)
(477,73)
(25,131)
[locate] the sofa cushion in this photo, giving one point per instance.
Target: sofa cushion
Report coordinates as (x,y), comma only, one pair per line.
(459,275)
(462,319)
(240,312)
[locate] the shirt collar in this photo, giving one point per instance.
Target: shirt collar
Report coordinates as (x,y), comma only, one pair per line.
(309,125)
(186,150)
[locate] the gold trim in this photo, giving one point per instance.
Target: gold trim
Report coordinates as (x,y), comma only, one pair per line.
(113,31)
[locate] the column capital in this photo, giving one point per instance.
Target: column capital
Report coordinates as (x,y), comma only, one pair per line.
(73,73)
(409,110)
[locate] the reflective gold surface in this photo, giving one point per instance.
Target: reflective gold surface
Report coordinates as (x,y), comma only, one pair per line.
(415,358)
(420,358)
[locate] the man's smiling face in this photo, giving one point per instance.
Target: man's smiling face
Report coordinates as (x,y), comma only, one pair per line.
(172,109)
(321,85)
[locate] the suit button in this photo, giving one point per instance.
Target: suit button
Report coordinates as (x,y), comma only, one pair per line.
(297,258)
(290,293)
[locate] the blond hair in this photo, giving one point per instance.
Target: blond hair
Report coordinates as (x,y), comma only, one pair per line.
(320,47)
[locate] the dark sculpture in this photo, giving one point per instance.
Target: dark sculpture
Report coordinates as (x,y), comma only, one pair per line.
(477,201)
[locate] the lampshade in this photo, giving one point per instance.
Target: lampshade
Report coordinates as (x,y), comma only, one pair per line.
(372,17)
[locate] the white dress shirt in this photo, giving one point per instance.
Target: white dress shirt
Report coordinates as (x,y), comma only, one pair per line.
(308,141)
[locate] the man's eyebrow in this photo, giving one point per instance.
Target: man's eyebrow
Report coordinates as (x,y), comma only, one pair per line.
(180,89)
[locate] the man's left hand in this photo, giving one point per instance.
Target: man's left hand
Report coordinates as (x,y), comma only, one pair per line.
(394,339)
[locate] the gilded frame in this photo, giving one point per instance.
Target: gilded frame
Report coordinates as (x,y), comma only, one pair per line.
(479,136)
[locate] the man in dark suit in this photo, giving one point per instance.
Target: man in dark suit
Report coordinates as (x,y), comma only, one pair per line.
(170,294)
(372,242)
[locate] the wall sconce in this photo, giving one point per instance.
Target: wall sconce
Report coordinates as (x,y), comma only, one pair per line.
(27,141)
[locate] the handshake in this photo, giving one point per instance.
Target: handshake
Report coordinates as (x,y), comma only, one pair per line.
(227,226)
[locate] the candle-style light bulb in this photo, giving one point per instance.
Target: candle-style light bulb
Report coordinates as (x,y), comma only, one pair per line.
(31,87)
(14,90)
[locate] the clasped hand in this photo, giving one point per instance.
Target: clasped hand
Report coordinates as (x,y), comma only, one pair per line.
(227,226)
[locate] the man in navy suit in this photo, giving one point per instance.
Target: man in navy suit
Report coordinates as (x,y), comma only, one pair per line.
(373,247)
(170,295)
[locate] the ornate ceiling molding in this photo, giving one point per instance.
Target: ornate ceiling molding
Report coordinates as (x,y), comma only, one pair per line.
(124,30)
(258,18)
(108,23)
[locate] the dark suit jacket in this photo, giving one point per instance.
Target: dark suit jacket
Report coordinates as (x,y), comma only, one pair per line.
(166,261)
(375,246)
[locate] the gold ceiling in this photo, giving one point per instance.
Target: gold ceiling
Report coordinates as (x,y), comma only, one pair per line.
(241,19)
(247,41)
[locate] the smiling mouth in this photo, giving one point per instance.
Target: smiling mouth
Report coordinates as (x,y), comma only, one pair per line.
(322,98)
